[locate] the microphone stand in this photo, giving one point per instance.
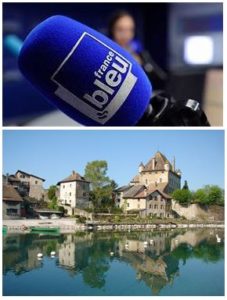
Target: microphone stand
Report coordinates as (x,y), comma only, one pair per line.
(164,110)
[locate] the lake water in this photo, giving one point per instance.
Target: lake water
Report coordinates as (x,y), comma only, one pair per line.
(165,263)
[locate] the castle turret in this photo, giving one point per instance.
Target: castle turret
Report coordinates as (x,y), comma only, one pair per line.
(141,167)
(179,173)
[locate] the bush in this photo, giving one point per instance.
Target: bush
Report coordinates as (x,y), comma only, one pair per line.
(182,196)
(210,194)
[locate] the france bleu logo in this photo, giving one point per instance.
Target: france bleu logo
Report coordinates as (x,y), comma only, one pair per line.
(94,79)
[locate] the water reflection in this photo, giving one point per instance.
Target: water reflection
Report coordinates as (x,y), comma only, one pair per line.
(155,256)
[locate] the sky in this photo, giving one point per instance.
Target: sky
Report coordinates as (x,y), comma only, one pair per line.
(54,154)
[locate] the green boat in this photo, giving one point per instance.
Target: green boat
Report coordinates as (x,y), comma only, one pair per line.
(45,230)
(4,230)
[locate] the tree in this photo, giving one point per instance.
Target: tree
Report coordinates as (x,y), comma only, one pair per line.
(51,192)
(95,172)
(210,194)
(215,195)
(182,196)
(200,196)
(102,186)
(52,197)
(185,187)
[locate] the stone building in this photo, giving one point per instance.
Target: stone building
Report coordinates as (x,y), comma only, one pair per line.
(33,183)
(12,203)
(74,192)
(148,192)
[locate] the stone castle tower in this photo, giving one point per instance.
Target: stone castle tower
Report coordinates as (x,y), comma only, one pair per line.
(158,172)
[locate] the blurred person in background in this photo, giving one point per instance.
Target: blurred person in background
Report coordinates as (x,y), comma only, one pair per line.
(122,29)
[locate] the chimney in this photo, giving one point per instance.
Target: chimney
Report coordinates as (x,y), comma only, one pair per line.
(73,172)
(153,163)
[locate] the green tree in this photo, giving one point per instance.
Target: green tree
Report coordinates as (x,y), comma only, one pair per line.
(182,196)
(101,194)
(185,186)
(215,194)
(200,196)
(95,172)
(52,197)
(210,194)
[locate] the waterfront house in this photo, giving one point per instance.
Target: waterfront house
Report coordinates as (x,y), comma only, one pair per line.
(33,183)
(12,203)
(74,193)
(149,191)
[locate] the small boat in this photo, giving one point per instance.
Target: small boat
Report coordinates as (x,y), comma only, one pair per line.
(45,230)
(54,217)
(43,217)
(4,230)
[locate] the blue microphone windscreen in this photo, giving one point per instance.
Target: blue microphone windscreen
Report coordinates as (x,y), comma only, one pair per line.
(85,74)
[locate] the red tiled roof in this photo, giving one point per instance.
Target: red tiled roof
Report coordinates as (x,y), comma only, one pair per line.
(73,177)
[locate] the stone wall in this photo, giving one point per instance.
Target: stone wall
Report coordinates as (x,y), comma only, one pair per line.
(197,212)
(36,191)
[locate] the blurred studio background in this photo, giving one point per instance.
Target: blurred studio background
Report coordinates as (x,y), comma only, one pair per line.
(179,45)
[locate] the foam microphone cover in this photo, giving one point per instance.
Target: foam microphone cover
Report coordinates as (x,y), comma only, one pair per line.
(85,74)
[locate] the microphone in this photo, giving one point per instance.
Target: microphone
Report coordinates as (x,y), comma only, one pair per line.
(85,74)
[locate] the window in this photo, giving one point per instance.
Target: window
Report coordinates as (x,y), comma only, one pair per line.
(63,186)
(160,179)
(155,197)
(161,206)
(150,206)
(11,211)
(84,194)
(150,197)
(70,194)
(138,200)
(36,182)
(22,176)
(128,204)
